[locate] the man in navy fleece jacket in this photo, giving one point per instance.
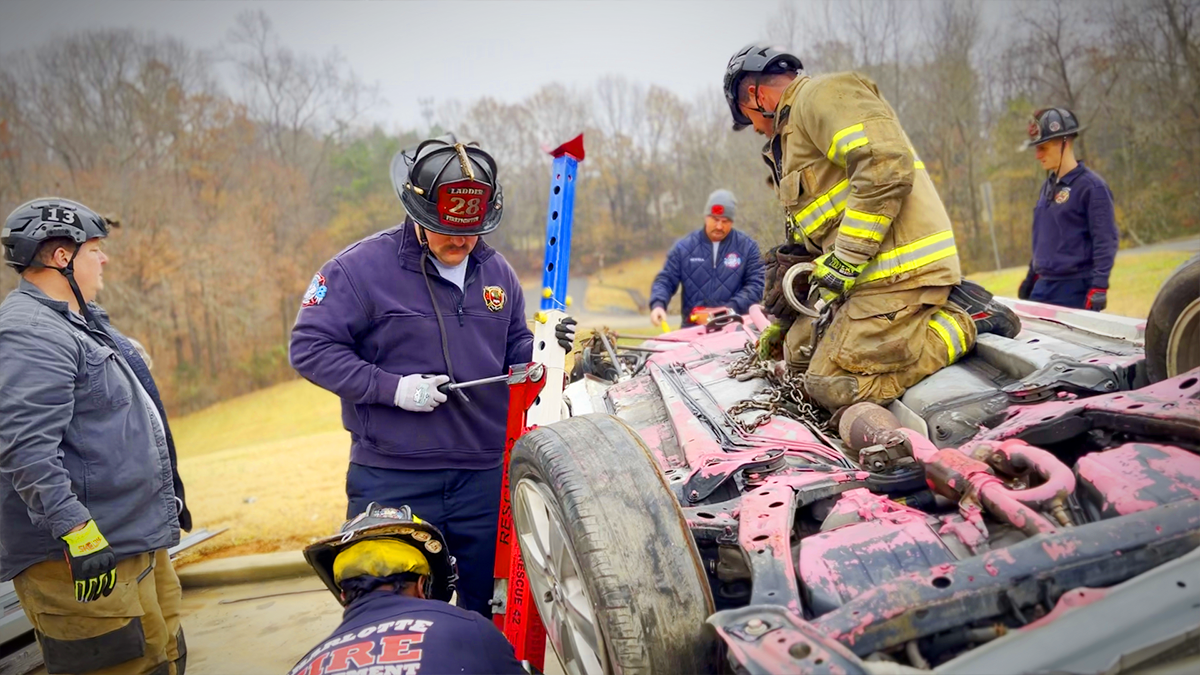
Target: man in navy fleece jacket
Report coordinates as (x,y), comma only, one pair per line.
(717,265)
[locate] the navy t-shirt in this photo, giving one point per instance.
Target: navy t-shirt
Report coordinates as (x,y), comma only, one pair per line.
(387,634)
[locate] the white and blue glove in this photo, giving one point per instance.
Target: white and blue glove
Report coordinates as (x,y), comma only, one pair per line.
(419,393)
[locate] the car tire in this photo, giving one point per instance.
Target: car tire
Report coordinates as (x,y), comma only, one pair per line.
(590,486)
(1173,327)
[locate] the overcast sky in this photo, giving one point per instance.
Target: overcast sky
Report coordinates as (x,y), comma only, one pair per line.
(448,49)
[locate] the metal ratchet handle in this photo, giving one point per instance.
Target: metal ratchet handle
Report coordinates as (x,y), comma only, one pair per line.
(454,386)
(790,295)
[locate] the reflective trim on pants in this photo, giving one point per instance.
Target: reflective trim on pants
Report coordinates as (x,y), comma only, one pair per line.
(951,333)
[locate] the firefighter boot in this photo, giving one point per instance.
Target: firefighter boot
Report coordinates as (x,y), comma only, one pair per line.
(990,316)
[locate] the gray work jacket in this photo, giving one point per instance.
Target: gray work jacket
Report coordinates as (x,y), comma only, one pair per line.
(77,438)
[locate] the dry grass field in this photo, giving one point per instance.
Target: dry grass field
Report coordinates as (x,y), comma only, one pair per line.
(1134,281)
(270,466)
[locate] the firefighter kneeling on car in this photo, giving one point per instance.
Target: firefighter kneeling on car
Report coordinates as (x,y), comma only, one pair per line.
(864,212)
(394,575)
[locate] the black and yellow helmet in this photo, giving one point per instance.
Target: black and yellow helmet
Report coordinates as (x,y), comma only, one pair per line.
(380,542)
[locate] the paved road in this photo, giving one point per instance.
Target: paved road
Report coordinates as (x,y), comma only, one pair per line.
(1191,244)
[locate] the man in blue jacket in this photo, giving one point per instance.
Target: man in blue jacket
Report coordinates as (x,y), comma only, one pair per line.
(394,574)
(398,314)
(718,266)
(89,497)
(1074,229)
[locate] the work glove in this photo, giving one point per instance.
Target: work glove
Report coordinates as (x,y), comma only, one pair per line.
(1026,289)
(1097,299)
(93,563)
(778,261)
(835,276)
(419,393)
(564,332)
(770,340)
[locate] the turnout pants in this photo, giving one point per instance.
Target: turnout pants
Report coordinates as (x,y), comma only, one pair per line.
(462,503)
(134,631)
(877,346)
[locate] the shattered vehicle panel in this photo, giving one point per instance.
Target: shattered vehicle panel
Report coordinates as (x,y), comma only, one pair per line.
(991,500)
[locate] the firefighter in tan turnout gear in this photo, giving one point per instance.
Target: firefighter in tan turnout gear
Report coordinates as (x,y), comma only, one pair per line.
(863,210)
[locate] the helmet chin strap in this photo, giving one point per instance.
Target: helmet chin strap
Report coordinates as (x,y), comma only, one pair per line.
(68,271)
(767,114)
(1062,149)
(437,312)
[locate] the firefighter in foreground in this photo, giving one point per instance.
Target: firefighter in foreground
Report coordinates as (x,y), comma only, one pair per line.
(394,575)
(89,497)
(862,208)
(1074,229)
(398,314)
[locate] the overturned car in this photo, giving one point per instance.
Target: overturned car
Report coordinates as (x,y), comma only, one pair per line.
(1033,508)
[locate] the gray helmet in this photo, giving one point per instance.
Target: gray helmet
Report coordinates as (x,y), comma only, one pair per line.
(35,221)
(1049,124)
(753,59)
(448,187)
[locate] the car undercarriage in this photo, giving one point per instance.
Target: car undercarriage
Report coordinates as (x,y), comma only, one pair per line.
(1040,487)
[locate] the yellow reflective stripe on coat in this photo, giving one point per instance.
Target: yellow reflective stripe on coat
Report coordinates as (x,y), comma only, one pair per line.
(951,333)
(844,141)
(828,205)
(864,225)
(910,257)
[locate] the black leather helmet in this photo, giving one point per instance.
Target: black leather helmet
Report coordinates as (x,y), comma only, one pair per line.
(751,59)
(1049,124)
(35,221)
(448,187)
(425,552)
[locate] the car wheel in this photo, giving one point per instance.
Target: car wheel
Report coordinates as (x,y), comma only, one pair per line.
(1173,327)
(614,571)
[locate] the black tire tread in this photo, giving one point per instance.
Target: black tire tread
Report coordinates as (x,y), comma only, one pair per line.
(638,559)
(1176,293)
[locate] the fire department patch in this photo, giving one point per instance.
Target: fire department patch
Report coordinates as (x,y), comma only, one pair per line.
(1062,196)
(316,291)
(733,261)
(493,297)
(1054,126)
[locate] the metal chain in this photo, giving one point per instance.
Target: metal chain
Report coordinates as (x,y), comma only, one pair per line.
(785,397)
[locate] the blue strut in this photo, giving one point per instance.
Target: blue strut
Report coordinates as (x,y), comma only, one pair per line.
(559,216)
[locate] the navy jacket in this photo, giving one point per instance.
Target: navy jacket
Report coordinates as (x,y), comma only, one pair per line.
(388,633)
(735,280)
(367,320)
(78,440)
(1074,229)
